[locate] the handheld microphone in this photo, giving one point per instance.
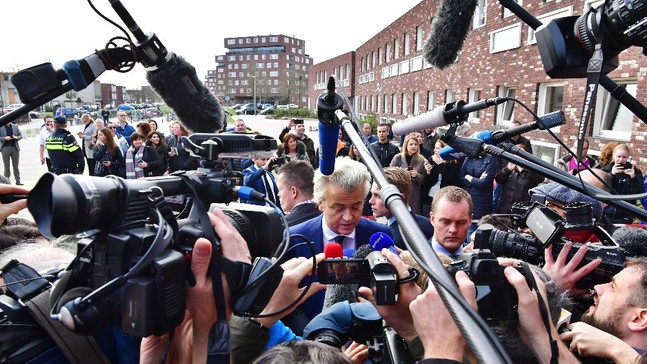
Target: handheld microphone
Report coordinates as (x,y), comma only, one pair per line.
(328,127)
(349,253)
(380,240)
(472,147)
(448,31)
(444,115)
(333,250)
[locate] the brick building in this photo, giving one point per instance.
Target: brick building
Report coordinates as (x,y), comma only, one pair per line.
(272,68)
(500,57)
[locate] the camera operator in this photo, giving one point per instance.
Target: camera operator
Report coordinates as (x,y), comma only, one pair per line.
(620,310)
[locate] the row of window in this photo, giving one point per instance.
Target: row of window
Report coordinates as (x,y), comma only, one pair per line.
(610,118)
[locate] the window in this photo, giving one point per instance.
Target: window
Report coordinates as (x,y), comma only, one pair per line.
(475,95)
(505,111)
(403,67)
(407,44)
(416,103)
(387,101)
(611,118)
(431,100)
(394,106)
(396,48)
(387,52)
(416,63)
(546,18)
(379,56)
(550,98)
(549,152)
(450,96)
(479,15)
(419,35)
(405,103)
(505,38)
(506,12)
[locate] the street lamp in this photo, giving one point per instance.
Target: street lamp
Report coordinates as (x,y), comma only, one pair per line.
(254,90)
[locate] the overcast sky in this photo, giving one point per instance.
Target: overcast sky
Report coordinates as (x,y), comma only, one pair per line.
(37,31)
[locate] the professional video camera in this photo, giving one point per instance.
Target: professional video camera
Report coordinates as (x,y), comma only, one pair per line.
(566,44)
(131,267)
(551,230)
(375,271)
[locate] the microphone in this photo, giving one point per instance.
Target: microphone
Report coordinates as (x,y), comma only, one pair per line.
(632,240)
(178,85)
(344,292)
(328,127)
(334,250)
(380,240)
(472,147)
(448,153)
(452,112)
(174,79)
(545,122)
(348,253)
(448,31)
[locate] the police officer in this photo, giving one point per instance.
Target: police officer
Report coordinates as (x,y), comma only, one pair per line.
(64,151)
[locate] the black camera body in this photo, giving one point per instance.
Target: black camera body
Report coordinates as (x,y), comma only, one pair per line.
(549,231)
(277,162)
(133,258)
(375,271)
(496,298)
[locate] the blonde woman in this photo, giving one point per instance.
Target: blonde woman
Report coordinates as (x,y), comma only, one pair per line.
(411,160)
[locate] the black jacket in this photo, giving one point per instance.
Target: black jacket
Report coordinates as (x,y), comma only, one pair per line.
(301,213)
(515,187)
(385,152)
(623,185)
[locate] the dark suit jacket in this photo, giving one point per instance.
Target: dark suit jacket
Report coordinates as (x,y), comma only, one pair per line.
(302,213)
(16,133)
(423,223)
(313,230)
(252,177)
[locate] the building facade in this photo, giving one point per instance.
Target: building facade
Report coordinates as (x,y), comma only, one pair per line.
(500,57)
(267,68)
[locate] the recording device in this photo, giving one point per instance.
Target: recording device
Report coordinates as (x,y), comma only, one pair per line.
(374,271)
(132,265)
(277,163)
(327,103)
(448,30)
(495,297)
(549,231)
(566,44)
(453,112)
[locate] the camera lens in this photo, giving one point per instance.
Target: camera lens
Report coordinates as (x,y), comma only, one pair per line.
(519,246)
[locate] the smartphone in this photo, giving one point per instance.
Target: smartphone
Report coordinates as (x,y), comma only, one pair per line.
(409,168)
(174,150)
(139,160)
(339,271)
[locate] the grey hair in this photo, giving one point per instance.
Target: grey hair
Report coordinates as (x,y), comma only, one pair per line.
(348,175)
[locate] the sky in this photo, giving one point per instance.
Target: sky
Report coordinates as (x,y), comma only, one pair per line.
(38,31)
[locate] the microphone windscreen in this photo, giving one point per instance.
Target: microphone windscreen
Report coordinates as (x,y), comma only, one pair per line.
(363,251)
(333,250)
(448,31)
(471,146)
(431,119)
(348,253)
(380,240)
(178,85)
(632,240)
(328,137)
(448,153)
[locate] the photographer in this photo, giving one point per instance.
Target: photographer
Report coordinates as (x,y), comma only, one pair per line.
(627,179)
(259,177)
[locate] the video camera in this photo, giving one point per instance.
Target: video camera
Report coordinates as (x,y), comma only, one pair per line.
(375,271)
(551,230)
(132,265)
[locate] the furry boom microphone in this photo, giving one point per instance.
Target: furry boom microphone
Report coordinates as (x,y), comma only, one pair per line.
(179,86)
(448,31)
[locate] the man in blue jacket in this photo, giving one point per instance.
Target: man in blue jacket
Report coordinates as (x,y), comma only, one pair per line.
(340,197)
(260,178)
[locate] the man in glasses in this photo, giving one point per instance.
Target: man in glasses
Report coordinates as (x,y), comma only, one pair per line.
(123,128)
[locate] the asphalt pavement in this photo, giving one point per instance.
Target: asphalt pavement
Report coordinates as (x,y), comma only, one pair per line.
(31,170)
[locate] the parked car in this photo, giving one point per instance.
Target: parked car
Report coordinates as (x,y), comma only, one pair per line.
(268,110)
(12,107)
(249,110)
(68,112)
(34,114)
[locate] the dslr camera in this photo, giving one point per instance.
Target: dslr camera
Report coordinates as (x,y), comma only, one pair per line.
(132,263)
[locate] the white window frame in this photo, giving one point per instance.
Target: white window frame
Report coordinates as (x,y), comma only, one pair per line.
(603,102)
(431,100)
(416,64)
(546,18)
(475,95)
(543,96)
(480,14)
(507,13)
(502,109)
(505,38)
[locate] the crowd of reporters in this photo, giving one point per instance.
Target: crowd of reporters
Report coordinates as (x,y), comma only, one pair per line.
(325,207)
